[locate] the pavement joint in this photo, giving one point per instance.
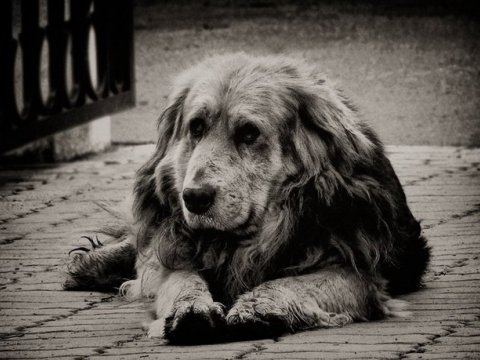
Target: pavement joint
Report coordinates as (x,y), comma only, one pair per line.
(424,178)
(254,349)
(457,216)
(449,268)
(449,330)
(20,331)
(117,344)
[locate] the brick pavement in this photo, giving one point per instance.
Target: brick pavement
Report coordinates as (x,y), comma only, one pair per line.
(44,209)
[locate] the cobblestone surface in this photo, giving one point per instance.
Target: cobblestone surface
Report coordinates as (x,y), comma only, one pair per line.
(45,209)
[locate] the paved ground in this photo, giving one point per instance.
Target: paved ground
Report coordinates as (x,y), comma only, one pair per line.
(414,71)
(44,209)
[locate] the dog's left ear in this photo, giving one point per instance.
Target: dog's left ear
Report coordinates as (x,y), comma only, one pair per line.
(347,178)
(329,139)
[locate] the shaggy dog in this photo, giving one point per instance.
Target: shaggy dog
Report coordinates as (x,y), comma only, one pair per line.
(267,207)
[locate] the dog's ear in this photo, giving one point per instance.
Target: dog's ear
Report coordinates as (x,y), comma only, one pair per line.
(170,120)
(345,176)
(329,140)
(329,134)
(351,188)
(151,204)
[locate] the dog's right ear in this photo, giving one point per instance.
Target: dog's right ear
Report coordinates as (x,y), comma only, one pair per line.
(150,204)
(170,120)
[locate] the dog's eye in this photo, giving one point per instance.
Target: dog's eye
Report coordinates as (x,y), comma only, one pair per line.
(247,134)
(197,127)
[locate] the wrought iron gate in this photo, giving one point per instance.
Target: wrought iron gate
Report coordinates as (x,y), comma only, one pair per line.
(74,94)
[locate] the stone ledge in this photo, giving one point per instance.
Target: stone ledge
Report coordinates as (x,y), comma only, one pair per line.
(86,139)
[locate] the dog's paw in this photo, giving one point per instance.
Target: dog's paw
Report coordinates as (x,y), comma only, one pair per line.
(257,318)
(95,244)
(81,268)
(268,313)
(198,321)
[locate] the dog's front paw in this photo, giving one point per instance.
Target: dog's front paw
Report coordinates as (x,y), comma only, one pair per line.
(197,321)
(258,316)
(82,270)
(270,311)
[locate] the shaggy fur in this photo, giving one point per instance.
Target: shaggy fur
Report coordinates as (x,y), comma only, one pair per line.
(309,226)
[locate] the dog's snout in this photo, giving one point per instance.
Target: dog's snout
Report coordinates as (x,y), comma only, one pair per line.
(199,200)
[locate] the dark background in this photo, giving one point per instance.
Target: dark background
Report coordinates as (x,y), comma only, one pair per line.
(412,66)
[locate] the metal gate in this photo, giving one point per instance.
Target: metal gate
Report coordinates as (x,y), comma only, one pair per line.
(89,72)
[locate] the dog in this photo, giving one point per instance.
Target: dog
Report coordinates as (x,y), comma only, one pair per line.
(268,206)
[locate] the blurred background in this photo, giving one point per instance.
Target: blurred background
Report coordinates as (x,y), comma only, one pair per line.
(412,66)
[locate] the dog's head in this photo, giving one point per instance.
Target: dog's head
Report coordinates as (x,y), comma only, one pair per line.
(226,147)
(239,131)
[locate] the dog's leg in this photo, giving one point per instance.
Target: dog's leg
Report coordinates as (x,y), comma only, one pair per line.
(185,310)
(101,267)
(328,298)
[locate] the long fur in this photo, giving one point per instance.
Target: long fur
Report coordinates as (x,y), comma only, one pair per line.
(335,210)
(360,215)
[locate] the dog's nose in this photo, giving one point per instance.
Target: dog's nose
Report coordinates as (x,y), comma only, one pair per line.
(199,200)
